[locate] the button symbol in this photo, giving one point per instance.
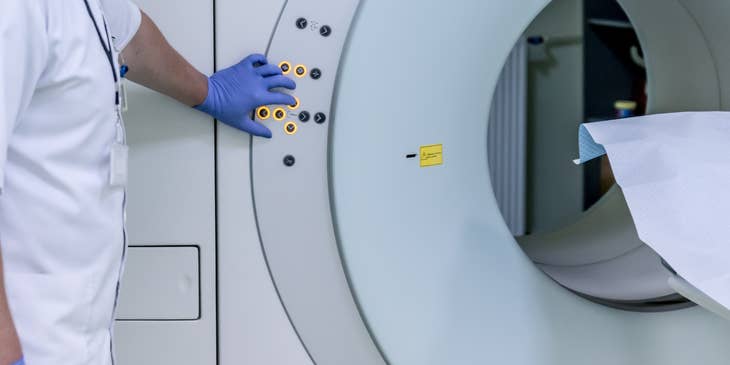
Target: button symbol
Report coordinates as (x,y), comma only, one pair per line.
(304,117)
(325,31)
(279,114)
(300,70)
(285,67)
(320,118)
(301,23)
(316,73)
(289,160)
(290,128)
(263,113)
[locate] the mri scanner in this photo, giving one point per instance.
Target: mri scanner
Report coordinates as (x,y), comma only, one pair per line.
(329,245)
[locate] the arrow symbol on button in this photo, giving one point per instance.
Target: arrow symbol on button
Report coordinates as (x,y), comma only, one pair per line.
(301,23)
(325,31)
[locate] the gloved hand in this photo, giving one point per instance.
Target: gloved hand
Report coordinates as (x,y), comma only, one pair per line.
(234,93)
(19,362)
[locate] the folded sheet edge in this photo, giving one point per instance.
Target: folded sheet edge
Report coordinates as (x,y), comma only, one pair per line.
(588,148)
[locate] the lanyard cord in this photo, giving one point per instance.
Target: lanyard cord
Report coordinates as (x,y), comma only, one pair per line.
(107,50)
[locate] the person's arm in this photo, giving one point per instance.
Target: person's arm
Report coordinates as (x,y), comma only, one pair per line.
(10,350)
(155,64)
(230,95)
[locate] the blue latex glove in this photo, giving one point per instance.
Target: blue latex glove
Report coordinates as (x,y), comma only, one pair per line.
(234,93)
(19,362)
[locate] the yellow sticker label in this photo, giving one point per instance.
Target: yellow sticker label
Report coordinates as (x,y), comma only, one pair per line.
(432,155)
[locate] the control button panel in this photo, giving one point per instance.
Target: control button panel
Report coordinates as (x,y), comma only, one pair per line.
(290,183)
(305,38)
(280,113)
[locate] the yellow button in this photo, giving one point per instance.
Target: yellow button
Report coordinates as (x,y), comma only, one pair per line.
(300,70)
(279,114)
(290,128)
(285,67)
(296,105)
(263,112)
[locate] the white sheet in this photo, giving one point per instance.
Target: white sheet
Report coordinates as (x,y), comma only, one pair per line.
(674,170)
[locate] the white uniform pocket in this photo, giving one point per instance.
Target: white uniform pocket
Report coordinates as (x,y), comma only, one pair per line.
(51,313)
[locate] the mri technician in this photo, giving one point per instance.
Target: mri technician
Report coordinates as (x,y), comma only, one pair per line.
(63,162)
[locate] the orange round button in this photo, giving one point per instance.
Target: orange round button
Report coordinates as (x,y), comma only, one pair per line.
(295,106)
(263,113)
(285,67)
(290,128)
(279,114)
(300,70)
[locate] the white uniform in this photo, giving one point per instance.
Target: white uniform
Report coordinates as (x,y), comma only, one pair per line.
(61,224)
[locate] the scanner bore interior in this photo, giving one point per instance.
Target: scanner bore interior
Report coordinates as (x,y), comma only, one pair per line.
(599,256)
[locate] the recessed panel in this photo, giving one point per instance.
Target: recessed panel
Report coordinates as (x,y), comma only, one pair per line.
(162,283)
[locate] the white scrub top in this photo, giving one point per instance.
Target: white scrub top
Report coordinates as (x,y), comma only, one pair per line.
(61,223)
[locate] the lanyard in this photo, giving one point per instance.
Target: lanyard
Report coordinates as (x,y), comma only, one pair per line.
(107,49)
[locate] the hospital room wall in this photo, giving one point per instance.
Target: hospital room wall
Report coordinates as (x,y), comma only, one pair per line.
(555,109)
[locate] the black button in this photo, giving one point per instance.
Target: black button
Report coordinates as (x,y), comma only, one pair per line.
(304,117)
(301,23)
(289,160)
(316,73)
(320,118)
(279,114)
(291,127)
(325,31)
(300,71)
(285,67)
